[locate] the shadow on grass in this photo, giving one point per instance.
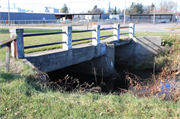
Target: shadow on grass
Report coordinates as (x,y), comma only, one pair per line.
(24,84)
(6,77)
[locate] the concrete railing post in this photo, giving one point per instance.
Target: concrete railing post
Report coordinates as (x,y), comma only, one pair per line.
(131,30)
(17,46)
(67,37)
(96,34)
(116,32)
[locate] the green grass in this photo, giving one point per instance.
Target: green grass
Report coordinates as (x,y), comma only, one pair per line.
(22,98)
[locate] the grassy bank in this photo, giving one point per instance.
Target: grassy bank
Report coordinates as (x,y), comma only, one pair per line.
(23,98)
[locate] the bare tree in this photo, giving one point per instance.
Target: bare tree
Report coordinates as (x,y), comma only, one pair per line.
(148,9)
(96,10)
(166,6)
(109,8)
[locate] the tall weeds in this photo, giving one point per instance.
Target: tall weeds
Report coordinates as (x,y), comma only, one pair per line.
(166,84)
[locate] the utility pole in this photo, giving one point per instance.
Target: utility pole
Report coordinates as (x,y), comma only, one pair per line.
(176,14)
(154,13)
(124,12)
(8,12)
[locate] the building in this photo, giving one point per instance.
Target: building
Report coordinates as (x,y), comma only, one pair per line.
(81,16)
(27,16)
(159,17)
(24,18)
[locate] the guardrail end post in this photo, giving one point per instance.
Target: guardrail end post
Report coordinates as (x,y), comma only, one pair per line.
(96,35)
(116,32)
(131,30)
(67,37)
(17,46)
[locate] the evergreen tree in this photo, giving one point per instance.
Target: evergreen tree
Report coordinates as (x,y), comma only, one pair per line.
(64,9)
(115,11)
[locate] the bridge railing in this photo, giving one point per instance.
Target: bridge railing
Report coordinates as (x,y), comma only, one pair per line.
(40,34)
(16,42)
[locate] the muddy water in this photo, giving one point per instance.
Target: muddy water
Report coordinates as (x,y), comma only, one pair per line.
(109,85)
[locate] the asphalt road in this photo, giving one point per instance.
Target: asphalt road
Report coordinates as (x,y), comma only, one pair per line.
(138,27)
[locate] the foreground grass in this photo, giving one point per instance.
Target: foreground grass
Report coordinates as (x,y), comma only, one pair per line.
(22,98)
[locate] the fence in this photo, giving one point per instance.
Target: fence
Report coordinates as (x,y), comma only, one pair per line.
(67,38)
(150,20)
(60,22)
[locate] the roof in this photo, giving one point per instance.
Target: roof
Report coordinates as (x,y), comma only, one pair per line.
(78,14)
(167,13)
(153,14)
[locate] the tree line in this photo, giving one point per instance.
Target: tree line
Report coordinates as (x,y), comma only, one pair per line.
(164,6)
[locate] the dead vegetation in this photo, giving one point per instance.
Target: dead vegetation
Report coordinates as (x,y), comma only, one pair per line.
(166,84)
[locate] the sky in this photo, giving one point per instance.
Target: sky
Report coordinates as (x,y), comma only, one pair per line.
(76,6)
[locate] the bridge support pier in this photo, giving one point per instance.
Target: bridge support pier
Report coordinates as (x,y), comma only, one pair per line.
(101,65)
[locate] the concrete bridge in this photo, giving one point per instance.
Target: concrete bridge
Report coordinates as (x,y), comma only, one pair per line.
(99,55)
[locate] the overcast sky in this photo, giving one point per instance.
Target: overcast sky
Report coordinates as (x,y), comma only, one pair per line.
(76,6)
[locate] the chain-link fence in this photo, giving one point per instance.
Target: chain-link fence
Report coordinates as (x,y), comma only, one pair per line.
(83,22)
(60,22)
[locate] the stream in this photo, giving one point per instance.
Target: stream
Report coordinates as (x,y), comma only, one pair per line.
(108,86)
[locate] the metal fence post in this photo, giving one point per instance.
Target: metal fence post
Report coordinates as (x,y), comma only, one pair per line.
(67,37)
(131,30)
(96,35)
(19,46)
(116,32)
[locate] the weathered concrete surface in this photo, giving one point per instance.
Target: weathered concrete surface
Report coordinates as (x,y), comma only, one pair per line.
(138,51)
(99,66)
(48,61)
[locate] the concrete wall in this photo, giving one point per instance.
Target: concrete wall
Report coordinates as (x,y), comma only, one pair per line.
(138,51)
(102,56)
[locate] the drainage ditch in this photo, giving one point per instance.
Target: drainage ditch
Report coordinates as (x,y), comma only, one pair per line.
(109,84)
